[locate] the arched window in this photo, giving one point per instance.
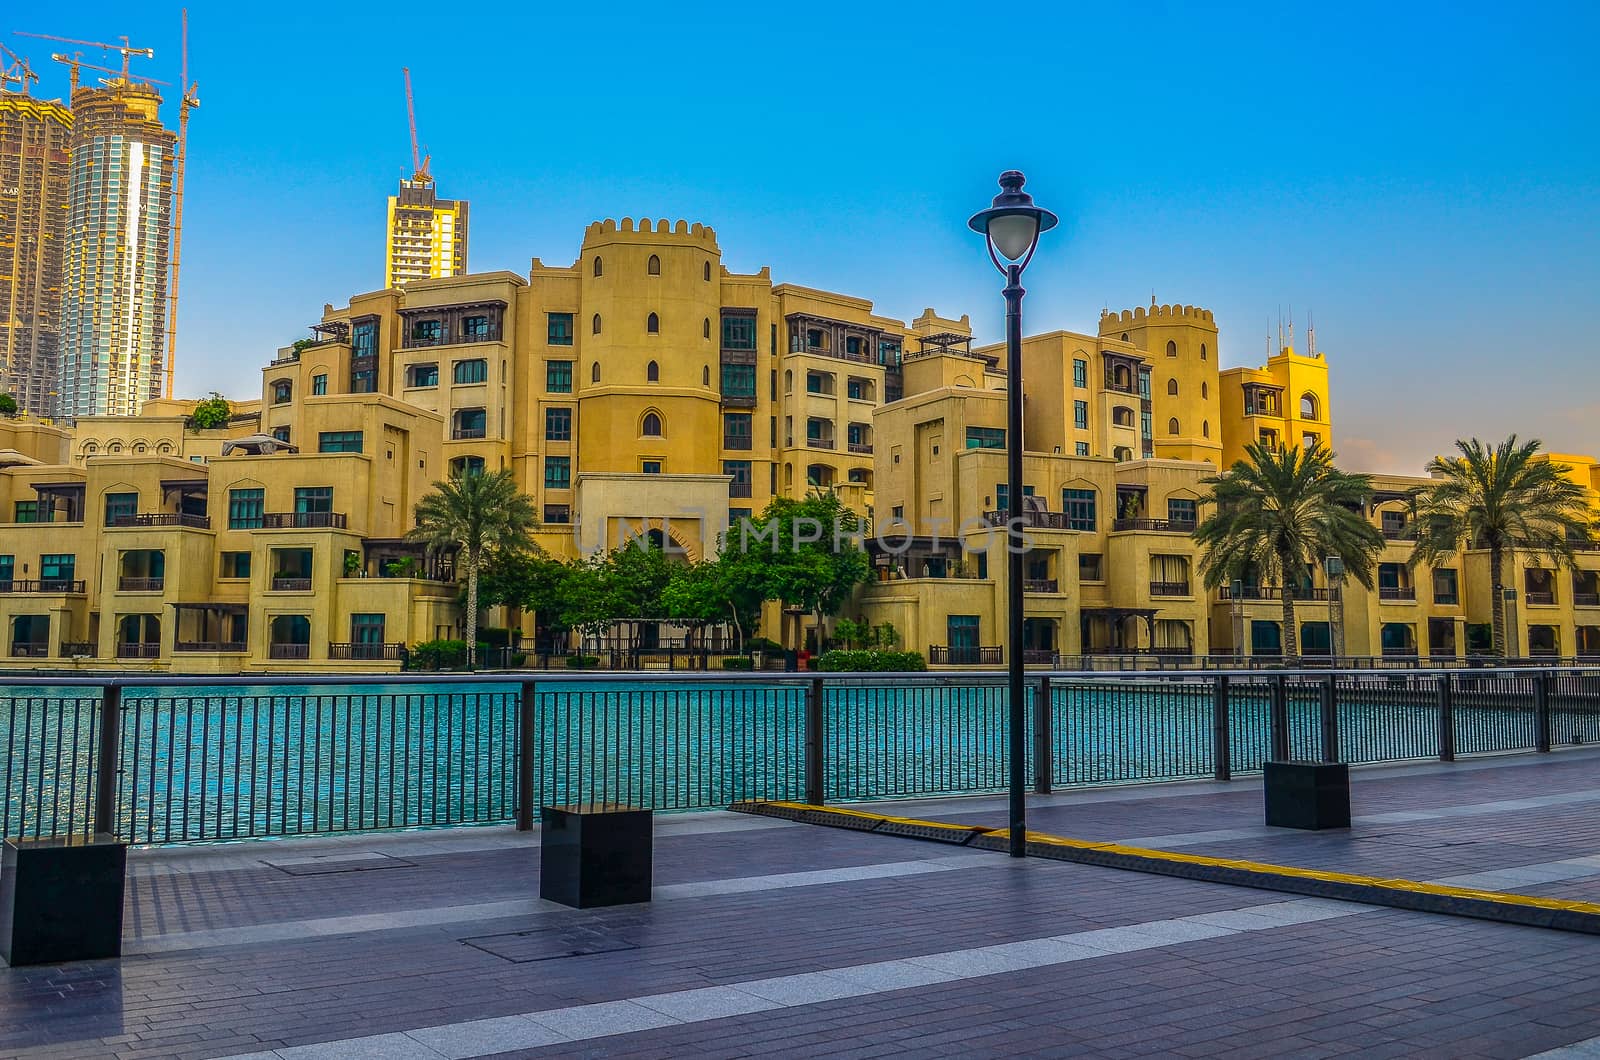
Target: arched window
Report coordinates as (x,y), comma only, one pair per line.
(1172,425)
(1122,416)
(652,324)
(654,266)
(595,326)
(594,372)
(1121,377)
(652,373)
(1172,348)
(1204,391)
(705,375)
(705,328)
(1205,428)
(650,426)
(1172,387)
(1308,406)
(597,264)
(1124,336)
(1122,453)
(1202,351)
(788,381)
(89,449)
(708,272)
(138,447)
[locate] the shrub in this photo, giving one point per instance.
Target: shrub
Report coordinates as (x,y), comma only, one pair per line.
(495,636)
(881,661)
(8,405)
(738,662)
(211,413)
(582,662)
(762,644)
(441,655)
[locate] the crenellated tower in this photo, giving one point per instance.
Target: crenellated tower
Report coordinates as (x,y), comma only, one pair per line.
(1180,343)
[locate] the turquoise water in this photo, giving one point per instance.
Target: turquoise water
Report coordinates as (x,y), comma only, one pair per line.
(232,762)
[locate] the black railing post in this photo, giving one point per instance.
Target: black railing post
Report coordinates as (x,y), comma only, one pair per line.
(1330,719)
(815,739)
(526,705)
(105,789)
(1447,717)
(1278,718)
(1043,764)
(1221,744)
(1541,710)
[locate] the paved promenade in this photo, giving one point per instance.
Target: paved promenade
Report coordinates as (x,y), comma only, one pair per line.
(770,938)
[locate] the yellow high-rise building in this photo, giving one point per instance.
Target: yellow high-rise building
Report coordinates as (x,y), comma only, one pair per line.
(35,191)
(427,235)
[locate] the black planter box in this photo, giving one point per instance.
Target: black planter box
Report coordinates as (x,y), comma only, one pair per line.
(61,899)
(1310,795)
(594,855)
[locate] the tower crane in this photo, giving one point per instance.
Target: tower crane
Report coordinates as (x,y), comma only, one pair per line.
(127,50)
(418,160)
(20,71)
(188,99)
(74,62)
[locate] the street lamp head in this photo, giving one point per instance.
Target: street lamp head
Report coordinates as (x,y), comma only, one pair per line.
(1013,223)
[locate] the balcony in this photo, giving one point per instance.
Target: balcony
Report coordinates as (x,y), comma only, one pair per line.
(860,447)
(1398,593)
(1542,597)
(1164,526)
(964,655)
(1170,589)
(739,489)
(1400,533)
(30,650)
(459,434)
(1038,657)
(211,646)
(288,651)
(1039,585)
(290,583)
(1038,520)
(739,401)
(303,521)
(139,650)
(1271,593)
(738,356)
(194,522)
(47,585)
(736,441)
(367,652)
(141,585)
(1586,599)
(819,443)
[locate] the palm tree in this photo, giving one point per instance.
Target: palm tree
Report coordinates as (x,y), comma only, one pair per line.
(1501,499)
(475,514)
(1281,512)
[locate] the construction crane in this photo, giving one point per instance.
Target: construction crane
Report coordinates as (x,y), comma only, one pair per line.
(418,160)
(74,63)
(20,72)
(127,50)
(188,99)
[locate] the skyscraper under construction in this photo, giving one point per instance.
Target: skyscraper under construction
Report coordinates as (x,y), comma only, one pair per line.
(118,240)
(34,151)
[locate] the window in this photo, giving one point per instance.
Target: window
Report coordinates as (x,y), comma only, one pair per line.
(1080,373)
(737,517)
(597,265)
(470,423)
(366,629)
(1202,356)
(558,377)
(705,375)
(363,376)
(897,512)
(1182,510)
(281,434)
(1172,388)
(558,425)
(339,442)
(889,353)
(1122,416)
(1172,425)
(1082,449)
(558,514)
(364,339)
(282,392)
(738,331)
(558,329)
(852,346)
(245,507)
(1172,348)
(707,276)
(652,372)
(652,324)
(1310,440)
(1205,428)
(1121,453)
(705,328)
(235,565)
(653,266)
(739,471)
(1205,391)
(27,512)
(986,438)
(739,380)
(737,430)
(462,466)
(57,568)
(1144,383)
(1080,415)
(319,385)
(1078,504)
(774,340)
(473,371)
(650,426)
(427,332)
(120,508)
(1445,590)
(594,372)
(313,500)
(594,325)
(650,467)
(1308,406)
(476,329)
(557,472)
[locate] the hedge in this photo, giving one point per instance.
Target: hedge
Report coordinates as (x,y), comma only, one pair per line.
(889,661)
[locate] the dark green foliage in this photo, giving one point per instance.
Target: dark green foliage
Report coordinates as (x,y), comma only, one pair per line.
(212,413)
(738,662)
(880,661)
(582,662)
(440,655)
(8,405)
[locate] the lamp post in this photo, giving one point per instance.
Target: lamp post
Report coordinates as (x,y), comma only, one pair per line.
(1011,225)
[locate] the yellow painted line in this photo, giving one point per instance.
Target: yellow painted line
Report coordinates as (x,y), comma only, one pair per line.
(1258,867)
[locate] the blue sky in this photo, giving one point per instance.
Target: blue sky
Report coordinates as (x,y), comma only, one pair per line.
(1426,181)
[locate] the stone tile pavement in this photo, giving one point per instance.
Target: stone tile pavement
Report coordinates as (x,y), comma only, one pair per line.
(768,938)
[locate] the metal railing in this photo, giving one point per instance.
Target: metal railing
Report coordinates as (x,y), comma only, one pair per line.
(467,433)
(288,651)
(303,520)
(209,645)
(72,648)
(289,583)
(141,585)
(1539,596)
(1170,589)
(44,585)
(1040,520)
(196,522)
(1039,585)
(965,655)
(395,652)
(1586,599)
(860,447)
(30,649)
(1270,593)
(1404,593)
(165,759)
(1166,526)
(139,649)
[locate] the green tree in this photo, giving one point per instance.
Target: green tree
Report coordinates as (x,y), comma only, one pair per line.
(1279,513)
(477,515)
(211,413)
(527,579)
(8,405)
(1502,498)
(694,595)
(806,553)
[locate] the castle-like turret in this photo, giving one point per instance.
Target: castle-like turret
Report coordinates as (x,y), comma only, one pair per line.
(1180,342)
